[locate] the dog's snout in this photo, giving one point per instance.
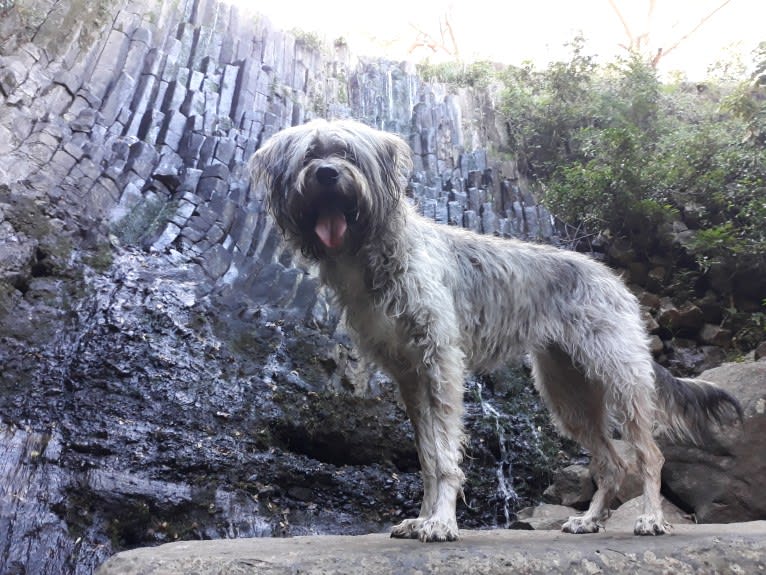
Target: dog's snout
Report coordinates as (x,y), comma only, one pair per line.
(327,175)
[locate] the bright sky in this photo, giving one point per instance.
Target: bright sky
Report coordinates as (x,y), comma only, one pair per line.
(511,31)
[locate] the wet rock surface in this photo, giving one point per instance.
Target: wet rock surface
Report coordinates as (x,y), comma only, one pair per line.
(704,549)
(165,413)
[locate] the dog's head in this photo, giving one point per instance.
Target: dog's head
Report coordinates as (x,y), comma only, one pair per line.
(331,185)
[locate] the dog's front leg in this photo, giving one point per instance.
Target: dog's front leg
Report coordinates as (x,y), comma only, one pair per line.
(434,402)
(415,401)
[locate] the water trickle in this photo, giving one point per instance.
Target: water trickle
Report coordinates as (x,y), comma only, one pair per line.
(412,90)
(504,471)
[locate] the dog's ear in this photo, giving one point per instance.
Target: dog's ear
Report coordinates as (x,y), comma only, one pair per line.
(270,163)
(401,154)
(395,161)
(273,164)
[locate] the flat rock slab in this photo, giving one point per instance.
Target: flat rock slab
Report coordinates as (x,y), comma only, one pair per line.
(692,549)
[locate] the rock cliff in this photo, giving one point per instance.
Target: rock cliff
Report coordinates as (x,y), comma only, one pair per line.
(167,370)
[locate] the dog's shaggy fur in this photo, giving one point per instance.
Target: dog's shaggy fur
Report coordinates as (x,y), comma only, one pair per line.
(429,302)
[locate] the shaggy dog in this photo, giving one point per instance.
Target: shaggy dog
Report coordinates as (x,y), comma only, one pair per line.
(429,302)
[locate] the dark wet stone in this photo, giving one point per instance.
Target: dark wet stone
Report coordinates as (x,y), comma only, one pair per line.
(216,261)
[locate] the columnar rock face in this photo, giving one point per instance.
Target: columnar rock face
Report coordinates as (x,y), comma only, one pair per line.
(155,112)
(168,371)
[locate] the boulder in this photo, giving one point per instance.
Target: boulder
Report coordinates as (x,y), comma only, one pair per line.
(656,345)
(624,517)
(572,487)
(620,253)
(688,358)
(543,516)
(712,334)
(725,481)
(687,318)
(632,484)
(649,300)
(657,277)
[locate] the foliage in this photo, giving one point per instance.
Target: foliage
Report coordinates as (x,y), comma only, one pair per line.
(308,39)
(544,110)
(476,74)
(616,148)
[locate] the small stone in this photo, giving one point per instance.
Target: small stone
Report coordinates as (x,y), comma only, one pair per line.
(715,335)
(545,516)
(572,487)
(656,346)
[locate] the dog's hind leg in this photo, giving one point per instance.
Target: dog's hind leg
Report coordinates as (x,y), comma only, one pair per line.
(638,431)
(434,402)
(577,406)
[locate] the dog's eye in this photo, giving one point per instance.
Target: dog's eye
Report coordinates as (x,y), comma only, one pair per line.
(349,156)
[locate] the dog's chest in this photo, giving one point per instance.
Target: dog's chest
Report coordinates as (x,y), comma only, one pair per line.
(375,328)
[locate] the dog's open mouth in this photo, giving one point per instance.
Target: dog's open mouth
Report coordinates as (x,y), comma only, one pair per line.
(332,216)
(328,205)
(331,227)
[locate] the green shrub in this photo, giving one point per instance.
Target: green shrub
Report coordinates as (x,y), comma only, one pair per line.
(460,74)
(309,39)
(617,149)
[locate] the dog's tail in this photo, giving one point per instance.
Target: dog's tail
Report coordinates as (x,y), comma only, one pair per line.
(687,408)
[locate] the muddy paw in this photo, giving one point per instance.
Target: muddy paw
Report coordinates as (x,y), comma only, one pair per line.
(436,530)
(407,529)
(650,525)
(581,525)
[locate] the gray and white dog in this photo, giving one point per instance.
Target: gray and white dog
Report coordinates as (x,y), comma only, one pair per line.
(429,302)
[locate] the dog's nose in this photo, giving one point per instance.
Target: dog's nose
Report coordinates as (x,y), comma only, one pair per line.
(327,175)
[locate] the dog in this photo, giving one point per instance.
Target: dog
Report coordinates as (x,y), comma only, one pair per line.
(429,302)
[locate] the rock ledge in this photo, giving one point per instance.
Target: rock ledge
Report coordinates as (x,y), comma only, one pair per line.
(712,548)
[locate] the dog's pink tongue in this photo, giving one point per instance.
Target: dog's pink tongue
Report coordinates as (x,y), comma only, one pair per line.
(331,227)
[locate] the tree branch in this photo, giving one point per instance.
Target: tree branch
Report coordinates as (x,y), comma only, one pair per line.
(628,33)
(664,51)
(455,50)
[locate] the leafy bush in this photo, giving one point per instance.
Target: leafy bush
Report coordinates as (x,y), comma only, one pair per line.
(309,39)
(546,110)
(476,74)
(616,148)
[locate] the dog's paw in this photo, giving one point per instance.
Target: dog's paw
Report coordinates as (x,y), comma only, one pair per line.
(581,525)
(407,529)
(649,525)
(434,530)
